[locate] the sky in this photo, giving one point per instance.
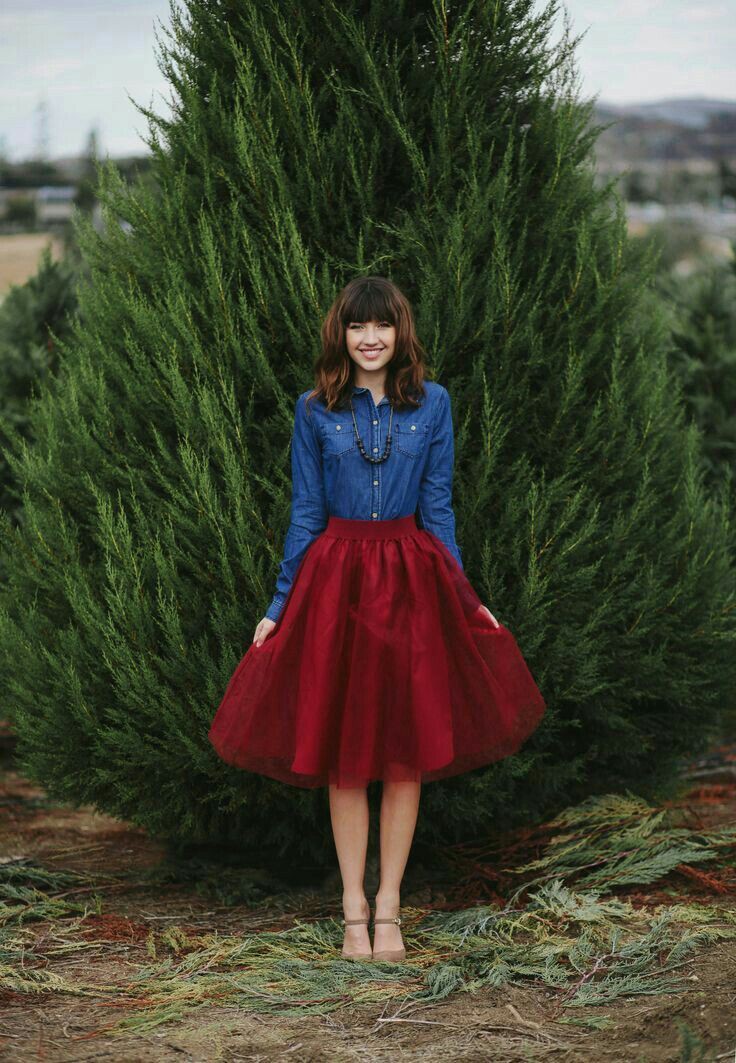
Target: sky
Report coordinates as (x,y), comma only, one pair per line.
(78,61)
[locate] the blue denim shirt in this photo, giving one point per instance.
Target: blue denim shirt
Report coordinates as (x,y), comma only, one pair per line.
(330,476)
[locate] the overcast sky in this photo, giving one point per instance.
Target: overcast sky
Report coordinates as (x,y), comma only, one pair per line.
(82,58)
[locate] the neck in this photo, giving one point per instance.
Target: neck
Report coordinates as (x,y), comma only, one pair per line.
(373,381)
(376,384)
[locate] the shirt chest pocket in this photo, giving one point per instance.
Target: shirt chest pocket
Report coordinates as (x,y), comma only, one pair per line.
(410,438)
(338,437)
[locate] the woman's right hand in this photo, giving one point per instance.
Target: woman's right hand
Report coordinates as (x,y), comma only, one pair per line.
(265,627)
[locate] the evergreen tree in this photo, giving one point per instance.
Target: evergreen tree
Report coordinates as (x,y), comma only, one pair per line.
(703,316)
(33,318)
(442,145)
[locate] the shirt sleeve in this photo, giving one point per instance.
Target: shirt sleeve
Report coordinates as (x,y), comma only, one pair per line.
(308,503)
(434,508)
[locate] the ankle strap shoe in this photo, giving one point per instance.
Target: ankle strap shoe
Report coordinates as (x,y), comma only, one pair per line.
(390,955)
(356,955)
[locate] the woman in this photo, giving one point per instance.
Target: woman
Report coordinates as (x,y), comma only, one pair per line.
(376,658)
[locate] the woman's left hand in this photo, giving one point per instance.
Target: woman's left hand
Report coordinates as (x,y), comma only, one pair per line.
(490,614)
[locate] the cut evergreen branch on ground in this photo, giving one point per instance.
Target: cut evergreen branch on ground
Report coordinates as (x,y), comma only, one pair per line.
(606,842)
(591,951)
(29,892)
(588,948)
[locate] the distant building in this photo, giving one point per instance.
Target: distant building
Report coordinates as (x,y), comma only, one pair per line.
(55,203)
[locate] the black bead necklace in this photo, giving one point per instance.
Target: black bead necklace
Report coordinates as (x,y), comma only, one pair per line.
(387,445)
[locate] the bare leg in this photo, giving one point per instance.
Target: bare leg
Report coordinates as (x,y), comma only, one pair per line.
(399,809)
(350,819)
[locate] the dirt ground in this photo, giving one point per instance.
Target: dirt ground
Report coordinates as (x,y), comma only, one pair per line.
(511,1023)
(20,254)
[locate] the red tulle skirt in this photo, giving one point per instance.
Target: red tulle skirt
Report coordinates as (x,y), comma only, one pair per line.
(381,666)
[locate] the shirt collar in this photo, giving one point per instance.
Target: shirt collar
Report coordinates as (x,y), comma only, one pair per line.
(357,389)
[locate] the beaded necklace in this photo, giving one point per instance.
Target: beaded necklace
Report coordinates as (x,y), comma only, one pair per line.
(387,444)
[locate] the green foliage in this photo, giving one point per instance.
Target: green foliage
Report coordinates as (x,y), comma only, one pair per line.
(672,241)
(444,148)
(702,310)
(620,840)
(33,317)
(27,893)
(693,1048)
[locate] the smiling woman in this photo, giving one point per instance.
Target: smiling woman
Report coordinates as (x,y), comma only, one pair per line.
(151,508)
(376,659)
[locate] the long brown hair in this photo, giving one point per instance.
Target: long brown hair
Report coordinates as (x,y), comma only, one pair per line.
(369,299)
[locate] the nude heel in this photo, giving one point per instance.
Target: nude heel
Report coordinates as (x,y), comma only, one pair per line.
(390,955)
(357,955)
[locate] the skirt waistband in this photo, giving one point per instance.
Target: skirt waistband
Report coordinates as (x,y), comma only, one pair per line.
(392,528)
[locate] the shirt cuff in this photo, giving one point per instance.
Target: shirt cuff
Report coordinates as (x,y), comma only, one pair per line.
(275,608)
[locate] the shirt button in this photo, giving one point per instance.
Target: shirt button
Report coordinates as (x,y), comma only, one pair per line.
(374,514)
(339,426)
(375,422)
(375,483)
(413,427)
(375,448)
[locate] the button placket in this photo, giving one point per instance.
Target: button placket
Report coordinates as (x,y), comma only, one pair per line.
(376,435)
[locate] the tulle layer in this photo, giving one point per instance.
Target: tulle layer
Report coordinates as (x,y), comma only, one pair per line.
(381,666)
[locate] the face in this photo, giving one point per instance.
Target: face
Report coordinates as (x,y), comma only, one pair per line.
(371,346)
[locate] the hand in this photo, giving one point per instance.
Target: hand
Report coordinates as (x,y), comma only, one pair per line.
(264,629)
(488,613)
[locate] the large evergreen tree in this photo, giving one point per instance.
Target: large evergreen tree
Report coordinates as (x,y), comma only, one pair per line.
(442,145)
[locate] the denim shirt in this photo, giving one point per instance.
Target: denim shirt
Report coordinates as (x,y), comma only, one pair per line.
(330,477)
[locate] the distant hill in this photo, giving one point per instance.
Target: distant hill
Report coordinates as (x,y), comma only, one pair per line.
(669,130)
(694,112)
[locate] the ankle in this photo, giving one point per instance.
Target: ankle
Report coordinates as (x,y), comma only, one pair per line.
(388,899)
(354,899)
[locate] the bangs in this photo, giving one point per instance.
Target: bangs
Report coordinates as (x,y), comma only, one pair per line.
(370,302)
